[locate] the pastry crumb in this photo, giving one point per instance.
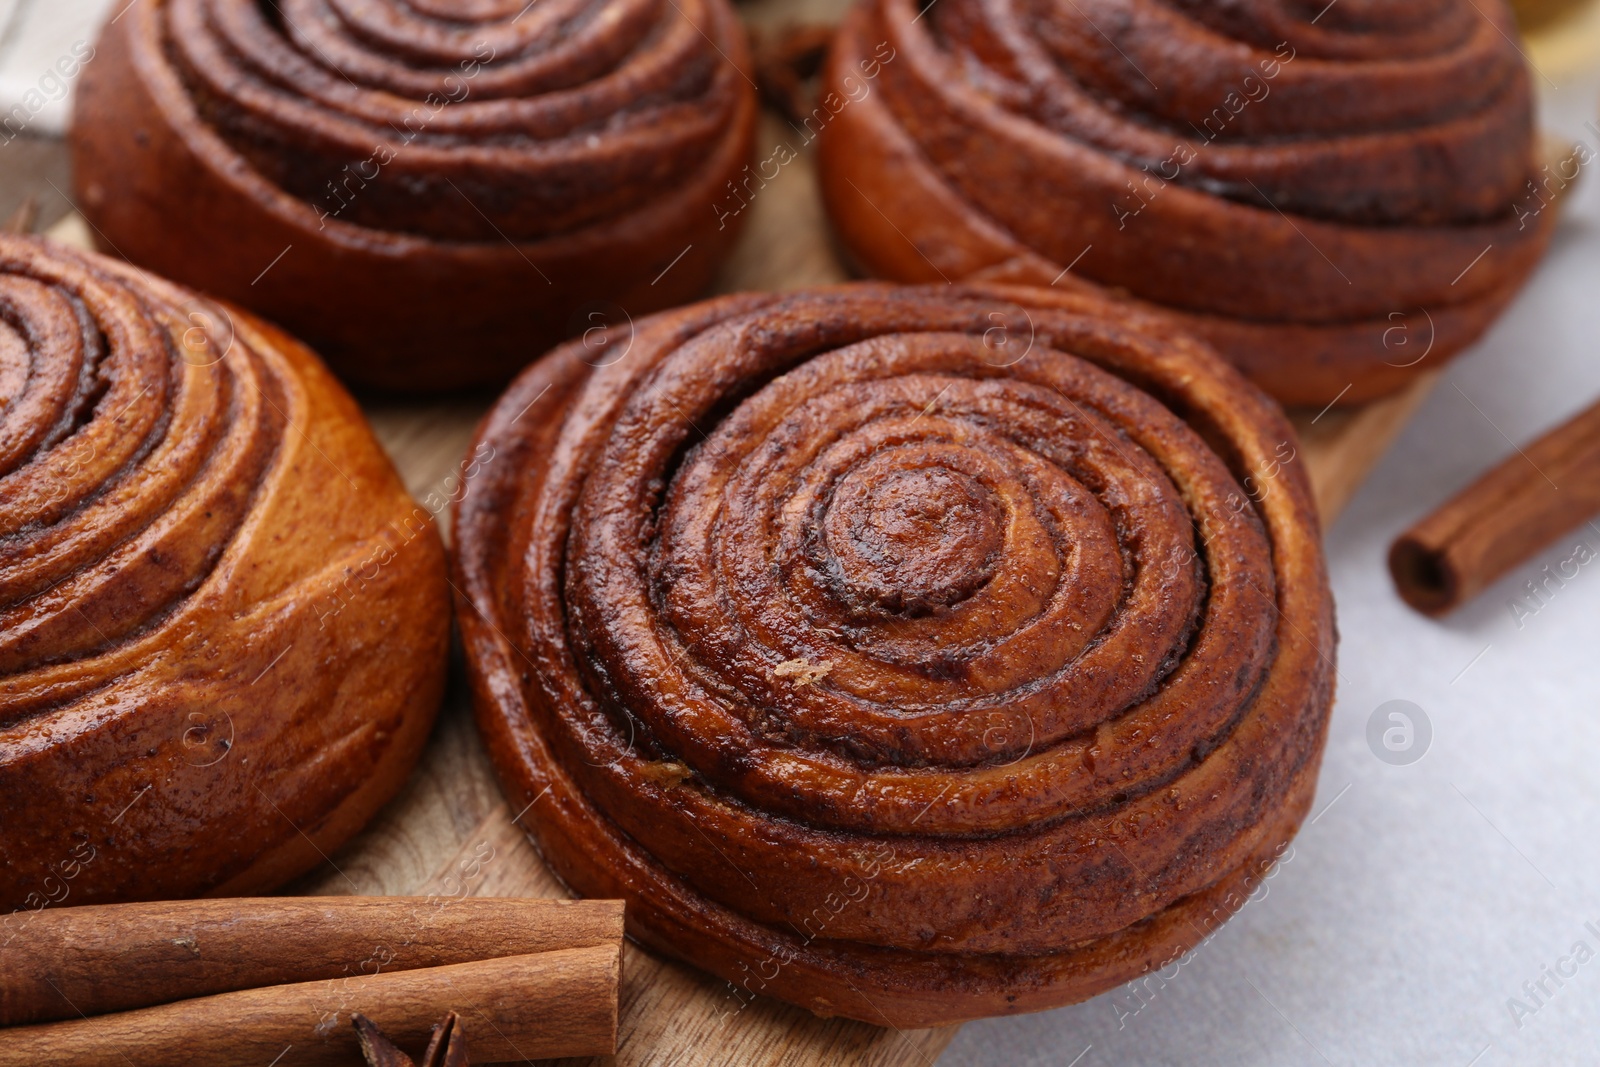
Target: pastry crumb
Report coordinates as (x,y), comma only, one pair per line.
(803,671)
(669,773)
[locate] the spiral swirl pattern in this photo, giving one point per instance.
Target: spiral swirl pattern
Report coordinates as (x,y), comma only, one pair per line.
(911,638)
(576,146)
(183,495)
(1288,181)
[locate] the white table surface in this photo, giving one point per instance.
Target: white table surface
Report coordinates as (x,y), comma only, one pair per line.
(1424,896)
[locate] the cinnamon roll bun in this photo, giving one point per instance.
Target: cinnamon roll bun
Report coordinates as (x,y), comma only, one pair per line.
(223,622)
(429,193)
(909,654)
(1338,197)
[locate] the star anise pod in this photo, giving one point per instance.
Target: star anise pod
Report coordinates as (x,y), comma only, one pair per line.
(448,1047)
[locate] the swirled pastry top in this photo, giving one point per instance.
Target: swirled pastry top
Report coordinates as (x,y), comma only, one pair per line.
(487,120)
(189,504)
(128,460)
(1284,179)
(966,575)
(1413,112)
(1416,112)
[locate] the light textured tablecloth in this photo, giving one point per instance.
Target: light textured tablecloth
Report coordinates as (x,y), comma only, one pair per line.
(1423,897)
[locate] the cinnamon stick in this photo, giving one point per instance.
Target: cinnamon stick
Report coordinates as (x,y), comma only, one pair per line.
(549,1004)
(1513,511)
(67,962)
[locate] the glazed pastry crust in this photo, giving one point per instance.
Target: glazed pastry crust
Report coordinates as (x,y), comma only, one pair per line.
(438,200)
(223,621)
(1319,233)
(900,652)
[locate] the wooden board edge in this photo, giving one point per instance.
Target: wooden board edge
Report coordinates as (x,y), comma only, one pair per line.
(1343,445)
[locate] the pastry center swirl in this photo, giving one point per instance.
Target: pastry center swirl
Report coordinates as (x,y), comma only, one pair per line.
(898,555)
(912,539)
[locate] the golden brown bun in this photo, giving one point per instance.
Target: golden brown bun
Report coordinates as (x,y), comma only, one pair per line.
(430,202)
(1324,200)
(223,622)
(909,654)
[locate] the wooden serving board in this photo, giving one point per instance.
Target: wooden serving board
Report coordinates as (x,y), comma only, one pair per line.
(450,832)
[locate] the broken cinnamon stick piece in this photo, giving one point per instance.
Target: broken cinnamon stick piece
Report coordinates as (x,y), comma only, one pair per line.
(67,962)
(785,63)
(545,1005)
(1513,511)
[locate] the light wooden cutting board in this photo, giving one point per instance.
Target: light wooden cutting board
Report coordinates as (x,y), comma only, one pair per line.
(451,833)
